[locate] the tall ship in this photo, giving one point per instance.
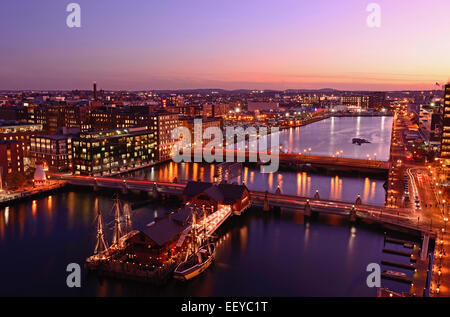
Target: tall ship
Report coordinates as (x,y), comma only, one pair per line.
(199,256)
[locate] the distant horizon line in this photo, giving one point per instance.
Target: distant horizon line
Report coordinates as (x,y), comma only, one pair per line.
(222,89)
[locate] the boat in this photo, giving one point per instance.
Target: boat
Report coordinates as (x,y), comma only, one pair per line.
(359,141)
(201,257)
(196,263)
(103,252)
(393,273)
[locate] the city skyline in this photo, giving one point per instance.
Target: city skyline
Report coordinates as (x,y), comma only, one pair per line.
(228,45)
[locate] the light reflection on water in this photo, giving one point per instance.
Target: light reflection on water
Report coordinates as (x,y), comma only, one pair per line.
(304,184)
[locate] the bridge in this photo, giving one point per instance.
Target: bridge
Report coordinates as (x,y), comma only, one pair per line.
(300,160)
(399,217)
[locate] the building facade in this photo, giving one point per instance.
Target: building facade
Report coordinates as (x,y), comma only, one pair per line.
(54,151)
(166,122)
(360,101)
(111,152)
(20,132)
(445,140)
(11,158)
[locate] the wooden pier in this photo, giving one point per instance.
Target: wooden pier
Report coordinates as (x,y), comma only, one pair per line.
(399,265)
(396,252)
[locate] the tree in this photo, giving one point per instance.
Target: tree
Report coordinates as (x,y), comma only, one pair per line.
(15,180)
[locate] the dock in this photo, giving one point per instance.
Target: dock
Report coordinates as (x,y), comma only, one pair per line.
(399,265)
(405,243)
(397,278)
(396,252)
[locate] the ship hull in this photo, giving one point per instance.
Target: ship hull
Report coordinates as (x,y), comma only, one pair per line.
(196,270)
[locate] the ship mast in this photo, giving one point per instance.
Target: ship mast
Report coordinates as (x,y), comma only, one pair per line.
(117,227)
(126,211)
(101,243)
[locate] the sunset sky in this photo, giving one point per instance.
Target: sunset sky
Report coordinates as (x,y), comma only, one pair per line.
(230,44)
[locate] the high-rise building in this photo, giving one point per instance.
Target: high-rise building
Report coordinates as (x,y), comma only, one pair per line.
(445,140)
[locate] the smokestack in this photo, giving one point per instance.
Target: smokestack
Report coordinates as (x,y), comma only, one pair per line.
(95,91)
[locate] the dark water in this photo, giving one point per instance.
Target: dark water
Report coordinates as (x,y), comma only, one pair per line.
(258,254)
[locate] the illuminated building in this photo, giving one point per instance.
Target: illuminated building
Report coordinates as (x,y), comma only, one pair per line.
(361,102)
(206,123)
(55,151)
(262,106)
(11,158)
(21,132)
(110,152)
(166,123)
(445,140)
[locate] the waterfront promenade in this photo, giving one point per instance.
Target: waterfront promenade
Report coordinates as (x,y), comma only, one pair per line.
(9,197)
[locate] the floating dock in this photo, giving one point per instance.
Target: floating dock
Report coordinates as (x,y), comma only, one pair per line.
(396,252)
(399,265)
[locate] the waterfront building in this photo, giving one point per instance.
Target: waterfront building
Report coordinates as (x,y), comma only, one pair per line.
(445,140)
(111,152)
(206,123)
(357,101)
(166,122)
(11,158)
(159,241)
(21,132)
(210,197)
(54,151)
